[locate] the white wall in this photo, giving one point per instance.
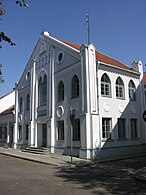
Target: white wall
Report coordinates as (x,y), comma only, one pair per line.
(7,101)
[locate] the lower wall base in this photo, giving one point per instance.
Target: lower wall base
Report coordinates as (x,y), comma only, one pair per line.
(106,153)
(101,154)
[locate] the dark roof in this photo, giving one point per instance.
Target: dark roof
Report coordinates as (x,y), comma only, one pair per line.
(8,111)
(101,57)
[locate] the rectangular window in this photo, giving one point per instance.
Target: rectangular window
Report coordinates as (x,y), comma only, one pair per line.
(105,89)
(76,129)
(60,130)
(0,132)
(120,91)
(106,128)
(27,130)
(121,128)
(133,125)
(20,132)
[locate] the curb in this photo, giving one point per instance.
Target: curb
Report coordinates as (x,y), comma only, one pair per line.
(29,159)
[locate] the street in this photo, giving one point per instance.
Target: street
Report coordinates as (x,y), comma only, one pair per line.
(22,177)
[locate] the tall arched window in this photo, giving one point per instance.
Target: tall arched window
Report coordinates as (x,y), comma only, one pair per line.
(132,90)
(28,102)
(45,90)
(21,105)
(60,91)
(105,85)
(75,87)
(42,91)
(120,88)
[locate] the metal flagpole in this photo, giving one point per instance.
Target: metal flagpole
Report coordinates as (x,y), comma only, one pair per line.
(88,27)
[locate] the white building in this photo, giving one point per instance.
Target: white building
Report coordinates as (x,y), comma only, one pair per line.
(65,85)
(7,103)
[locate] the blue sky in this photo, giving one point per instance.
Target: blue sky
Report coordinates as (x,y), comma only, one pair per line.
(118,29)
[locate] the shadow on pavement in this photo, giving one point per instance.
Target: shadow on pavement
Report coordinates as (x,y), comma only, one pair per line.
(114,177)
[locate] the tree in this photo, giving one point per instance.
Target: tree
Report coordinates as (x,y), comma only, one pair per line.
(3,36)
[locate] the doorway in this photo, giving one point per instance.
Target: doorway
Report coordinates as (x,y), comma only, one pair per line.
(44,135)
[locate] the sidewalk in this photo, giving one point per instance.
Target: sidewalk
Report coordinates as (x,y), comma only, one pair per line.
(51,159)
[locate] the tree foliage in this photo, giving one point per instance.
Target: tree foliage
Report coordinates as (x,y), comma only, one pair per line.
(3,36)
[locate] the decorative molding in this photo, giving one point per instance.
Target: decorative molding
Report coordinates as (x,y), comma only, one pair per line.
(106,107)
(133,109)
(60,111)
(121,108)
(67,70)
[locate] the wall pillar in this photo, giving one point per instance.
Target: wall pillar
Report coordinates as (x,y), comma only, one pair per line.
(33,94)
(8,133)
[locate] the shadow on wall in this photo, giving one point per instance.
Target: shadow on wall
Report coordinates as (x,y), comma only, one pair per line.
(128,134)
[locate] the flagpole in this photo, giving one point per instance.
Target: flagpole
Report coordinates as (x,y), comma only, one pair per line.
(88,27)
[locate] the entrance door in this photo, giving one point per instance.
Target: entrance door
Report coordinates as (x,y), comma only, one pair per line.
(44,135)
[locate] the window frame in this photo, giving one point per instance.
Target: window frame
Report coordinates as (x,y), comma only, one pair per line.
(42,91)
(105,85)
(121,128)
(60,130)
(106,128)
(21,104)
(26,131)
(76,130)
(120,89)
(60,91)
(75,88)
(19,132)
(132,90)
(28,102)
(133,123)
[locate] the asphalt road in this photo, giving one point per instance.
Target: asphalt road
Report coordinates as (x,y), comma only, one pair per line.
(21,177)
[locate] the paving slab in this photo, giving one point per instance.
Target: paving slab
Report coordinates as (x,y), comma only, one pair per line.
(51,159)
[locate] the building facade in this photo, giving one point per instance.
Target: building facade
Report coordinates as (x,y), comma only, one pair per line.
(74,100)
(7,119)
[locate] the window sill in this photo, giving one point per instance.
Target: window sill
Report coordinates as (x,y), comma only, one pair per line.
(120,98)
(106,96)
(107,140)
(134,138)
(123,139)
(60,140)
(76,140)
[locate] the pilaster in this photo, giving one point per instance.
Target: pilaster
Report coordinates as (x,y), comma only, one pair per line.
(33,85)
(16,120)
(51,99)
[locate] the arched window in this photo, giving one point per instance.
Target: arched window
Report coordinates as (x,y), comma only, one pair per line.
(28,102)
(105,85)
(21,105)
(75,87)
(60,91)
(45,90)
(132,90)
(120,88)
(42,91)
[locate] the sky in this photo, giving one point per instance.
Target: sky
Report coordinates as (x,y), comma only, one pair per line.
(117,29)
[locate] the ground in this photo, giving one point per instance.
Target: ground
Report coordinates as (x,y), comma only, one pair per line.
(24,177)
